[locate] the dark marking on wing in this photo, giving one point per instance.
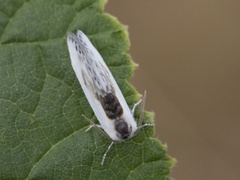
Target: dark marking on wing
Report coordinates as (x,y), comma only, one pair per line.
(122,128)
(114,111)
(111,105)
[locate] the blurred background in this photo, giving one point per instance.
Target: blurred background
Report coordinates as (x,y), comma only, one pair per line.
(189,57)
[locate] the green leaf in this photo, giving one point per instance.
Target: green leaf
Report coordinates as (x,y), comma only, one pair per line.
(42,131)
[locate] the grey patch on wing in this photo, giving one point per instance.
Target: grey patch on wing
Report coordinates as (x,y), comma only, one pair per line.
(85,79)
(101,82)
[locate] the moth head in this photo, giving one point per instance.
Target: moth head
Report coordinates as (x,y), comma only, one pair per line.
(123,129)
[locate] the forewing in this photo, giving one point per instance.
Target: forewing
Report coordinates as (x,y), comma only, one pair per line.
(110,78)
(96,80)
(82,65)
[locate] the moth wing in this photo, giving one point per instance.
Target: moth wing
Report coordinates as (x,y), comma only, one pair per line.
(81,73)
(126,111)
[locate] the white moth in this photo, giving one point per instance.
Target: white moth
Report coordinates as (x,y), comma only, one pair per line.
(102,92)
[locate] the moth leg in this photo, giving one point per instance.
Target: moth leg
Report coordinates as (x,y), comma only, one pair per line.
(135,105)
(105,154)
(92,124)
(97,126)
(145,125)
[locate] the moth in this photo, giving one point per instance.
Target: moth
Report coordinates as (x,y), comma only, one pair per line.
(102,92)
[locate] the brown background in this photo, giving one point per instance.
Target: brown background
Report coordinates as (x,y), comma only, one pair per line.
(189,57)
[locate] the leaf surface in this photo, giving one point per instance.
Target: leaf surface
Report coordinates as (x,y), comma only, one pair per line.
(42,131)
